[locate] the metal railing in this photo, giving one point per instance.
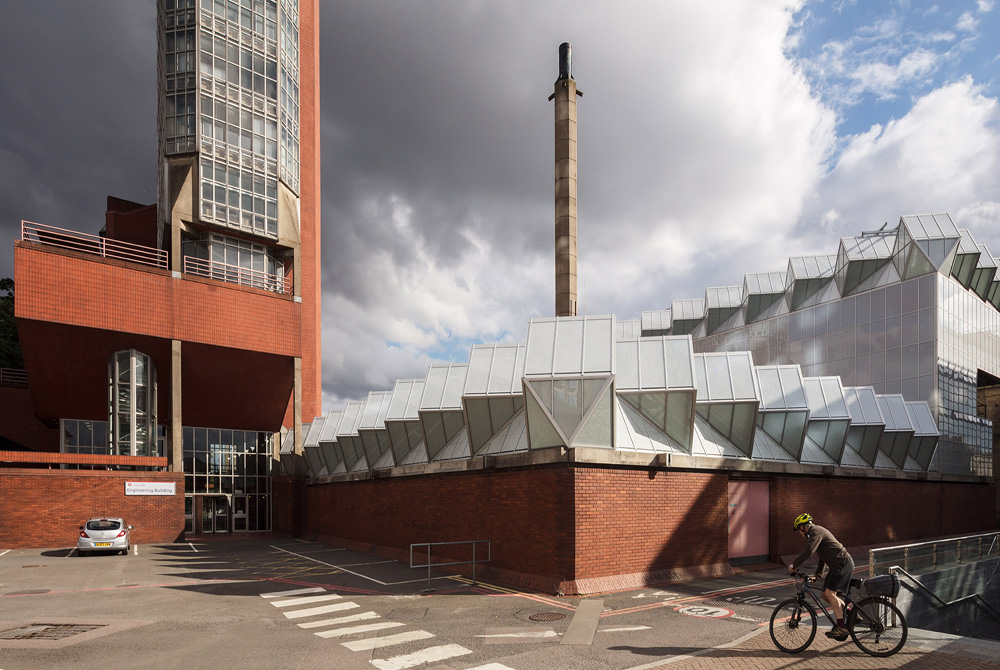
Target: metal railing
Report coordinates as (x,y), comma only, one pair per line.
(234,274)
(940,602)
(92,244)
(13,377)
(923,555)
(431,545)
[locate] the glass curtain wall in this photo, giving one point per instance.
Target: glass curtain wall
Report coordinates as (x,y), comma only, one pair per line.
(132,404)
(235,463)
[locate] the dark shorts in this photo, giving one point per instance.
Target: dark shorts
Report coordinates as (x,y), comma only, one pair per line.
(838,579)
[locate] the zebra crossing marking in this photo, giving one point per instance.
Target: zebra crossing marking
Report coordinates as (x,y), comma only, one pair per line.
(428,655)
(339,620)
(293,592)
(352,630)
(325,609)
(309,600)
(387,641)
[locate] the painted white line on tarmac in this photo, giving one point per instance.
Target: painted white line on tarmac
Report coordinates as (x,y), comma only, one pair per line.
(136,548)
(308,600)
(298,614)
(7,551)
(387,641)
(527,634)
(339,620)
(193,548)
(621,629)
(491,666)
(293,592)
(429,655)
(316,560)
(364,628)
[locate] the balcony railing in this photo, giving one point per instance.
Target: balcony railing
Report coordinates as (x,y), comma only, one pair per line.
(13,377)
(92,244)
(235,274)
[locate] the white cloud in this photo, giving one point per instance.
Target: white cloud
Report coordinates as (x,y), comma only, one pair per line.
(985,6)
(967,23)
(884,80)
(941,156)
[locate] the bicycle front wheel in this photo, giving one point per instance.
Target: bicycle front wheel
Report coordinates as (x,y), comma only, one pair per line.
(793,625)
(877,627)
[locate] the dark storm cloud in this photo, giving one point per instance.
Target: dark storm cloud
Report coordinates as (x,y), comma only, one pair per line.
(78,119)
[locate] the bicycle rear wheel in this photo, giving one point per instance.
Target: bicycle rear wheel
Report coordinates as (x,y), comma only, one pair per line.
(793,625)
(877,627)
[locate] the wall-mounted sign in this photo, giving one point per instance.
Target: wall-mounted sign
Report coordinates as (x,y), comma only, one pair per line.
(150,488)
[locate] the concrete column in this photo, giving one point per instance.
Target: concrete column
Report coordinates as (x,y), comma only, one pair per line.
(564,94)
(176,418)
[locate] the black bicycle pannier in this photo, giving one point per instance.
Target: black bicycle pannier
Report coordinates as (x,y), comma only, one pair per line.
(883,585)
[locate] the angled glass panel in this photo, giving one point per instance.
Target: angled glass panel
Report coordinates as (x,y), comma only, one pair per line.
(543,389)
(652,366)
(541,432)
(400,442)
(677,352)
(917,264)
(508,366)
(454,423)
(771,395)
(795,432)
(540,347)
(597,431)
(480,363)
(627,365)
(654,407)
(744,418)
(679,420)
(501,410)
(567,404)
(480,425)
(434,438)
(569,346)
(598,344)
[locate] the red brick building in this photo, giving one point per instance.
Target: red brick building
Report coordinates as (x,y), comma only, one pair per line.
(181,341)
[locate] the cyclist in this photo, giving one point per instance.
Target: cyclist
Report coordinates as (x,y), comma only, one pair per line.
(830,552)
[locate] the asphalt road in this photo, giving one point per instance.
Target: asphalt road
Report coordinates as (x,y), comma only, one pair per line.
(281,603)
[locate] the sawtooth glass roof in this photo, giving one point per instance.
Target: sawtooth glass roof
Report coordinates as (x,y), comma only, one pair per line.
(596,382)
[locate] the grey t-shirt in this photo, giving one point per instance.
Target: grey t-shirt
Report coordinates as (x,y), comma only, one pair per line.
(822,542)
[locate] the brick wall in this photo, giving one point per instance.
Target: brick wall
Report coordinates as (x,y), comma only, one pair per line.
(631,521)
(44,508)
(866,512)
(527,514)
(601,528)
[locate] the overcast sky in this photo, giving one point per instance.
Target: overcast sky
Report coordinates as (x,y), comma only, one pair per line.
(715,139)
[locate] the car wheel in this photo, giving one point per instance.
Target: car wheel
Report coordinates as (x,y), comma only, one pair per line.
(125,551)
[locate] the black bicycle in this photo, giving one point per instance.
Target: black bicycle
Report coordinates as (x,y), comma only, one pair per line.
(875,624)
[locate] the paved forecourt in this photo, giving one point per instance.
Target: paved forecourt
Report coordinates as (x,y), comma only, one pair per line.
(282,603)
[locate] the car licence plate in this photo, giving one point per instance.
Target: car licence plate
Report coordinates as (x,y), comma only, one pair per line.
(103,544)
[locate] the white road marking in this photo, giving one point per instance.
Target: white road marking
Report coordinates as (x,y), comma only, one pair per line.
(136,549)
(7,551)
(491,666)
(530,633)
(193,548)
(352,630)
(340,620)
(387,641)
(316,560)
(294,592)
(428,655)
(621,629)
(325,609)
(308,600)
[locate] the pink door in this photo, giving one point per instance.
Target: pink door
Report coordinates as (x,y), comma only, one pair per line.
(748,513)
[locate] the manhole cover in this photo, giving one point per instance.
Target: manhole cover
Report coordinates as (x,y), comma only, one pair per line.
(547,616)
(48,631)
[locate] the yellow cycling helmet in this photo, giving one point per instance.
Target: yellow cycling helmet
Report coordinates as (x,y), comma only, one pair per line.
(801,519)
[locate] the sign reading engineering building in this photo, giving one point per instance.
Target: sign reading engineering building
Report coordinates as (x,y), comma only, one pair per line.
(150,488)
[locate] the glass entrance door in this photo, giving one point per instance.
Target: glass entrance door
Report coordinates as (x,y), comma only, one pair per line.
(215,514)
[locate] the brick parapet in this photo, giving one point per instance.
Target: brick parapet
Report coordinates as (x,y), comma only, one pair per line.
(44,508)
(56,458)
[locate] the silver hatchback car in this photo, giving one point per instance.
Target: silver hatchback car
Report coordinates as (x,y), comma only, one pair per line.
(104,534)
